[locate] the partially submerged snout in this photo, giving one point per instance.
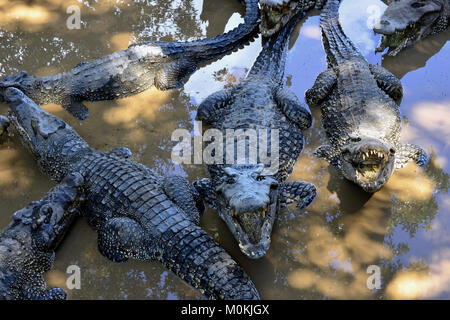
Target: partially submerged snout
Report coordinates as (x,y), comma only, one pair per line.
(248,203)
(368,162)
(33,124)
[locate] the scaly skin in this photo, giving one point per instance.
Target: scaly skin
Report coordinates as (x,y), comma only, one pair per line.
(246,198)
(137,213)
(134,70)
(360,114)
(4,124)
(406,22)
(27,245)
(275,14)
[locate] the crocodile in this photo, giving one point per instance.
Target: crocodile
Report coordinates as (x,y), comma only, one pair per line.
(4,124)
(360,111)
(164,65)
(28,243)
(249,194)
(406,22)
(137,213)
(277,13)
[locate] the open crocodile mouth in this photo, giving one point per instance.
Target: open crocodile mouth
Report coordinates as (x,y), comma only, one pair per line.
(275,16)
(372,168)
(253,229)
(401,38)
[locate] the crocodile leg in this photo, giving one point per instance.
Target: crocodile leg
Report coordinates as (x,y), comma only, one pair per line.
(170,77)
(185,196)
(292,108)
(321,89)
(329,154)
(120,238)
(388,82)
(298,191)
(76,108)
(206,192)
(210,109)
(410,152)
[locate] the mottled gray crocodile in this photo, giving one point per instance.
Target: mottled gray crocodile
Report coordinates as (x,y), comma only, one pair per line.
(28,243)
(131,71)
(137,213)
(277,13)
(406,22)
(360,114)
(247,194)
(4,124)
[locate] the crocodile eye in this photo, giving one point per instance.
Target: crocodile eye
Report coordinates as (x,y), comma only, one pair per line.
(260,178)
(231,180)
(417,5)
(357,139)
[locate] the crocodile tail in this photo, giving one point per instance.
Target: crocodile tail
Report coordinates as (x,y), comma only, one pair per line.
(272,59)
(337,45)
(208,49)
(197,259)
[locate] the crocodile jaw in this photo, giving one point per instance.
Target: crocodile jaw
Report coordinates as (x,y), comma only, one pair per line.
(368,165)
(276,14)
(252,230)
(403,25)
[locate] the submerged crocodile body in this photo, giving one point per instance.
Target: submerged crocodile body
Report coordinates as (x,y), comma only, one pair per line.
(137,213)
(277,13)
(28,243)
(247,194)
(360,114)
(134,70)
(406,22)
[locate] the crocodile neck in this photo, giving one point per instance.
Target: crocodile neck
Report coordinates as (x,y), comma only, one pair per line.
(271,61)
(338,46)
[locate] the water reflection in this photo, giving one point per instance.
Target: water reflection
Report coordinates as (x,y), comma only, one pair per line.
(321,252)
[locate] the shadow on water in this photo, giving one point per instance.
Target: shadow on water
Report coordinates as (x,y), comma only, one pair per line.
(321,252)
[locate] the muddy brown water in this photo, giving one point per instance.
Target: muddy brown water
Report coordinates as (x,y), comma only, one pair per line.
(322,252)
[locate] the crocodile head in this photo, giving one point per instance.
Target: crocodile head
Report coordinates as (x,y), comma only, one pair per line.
(45,135)
(19,80)
(248,202)
(276,13)
(368,162)
(405,22)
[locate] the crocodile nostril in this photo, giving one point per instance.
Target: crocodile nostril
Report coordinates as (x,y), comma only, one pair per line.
(385,22)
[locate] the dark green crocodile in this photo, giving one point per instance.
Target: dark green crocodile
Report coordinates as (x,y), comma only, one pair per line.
(247,194)
(406,22)
(28,243)
(360,114)
(137,213)
(131,71)
(277,13)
